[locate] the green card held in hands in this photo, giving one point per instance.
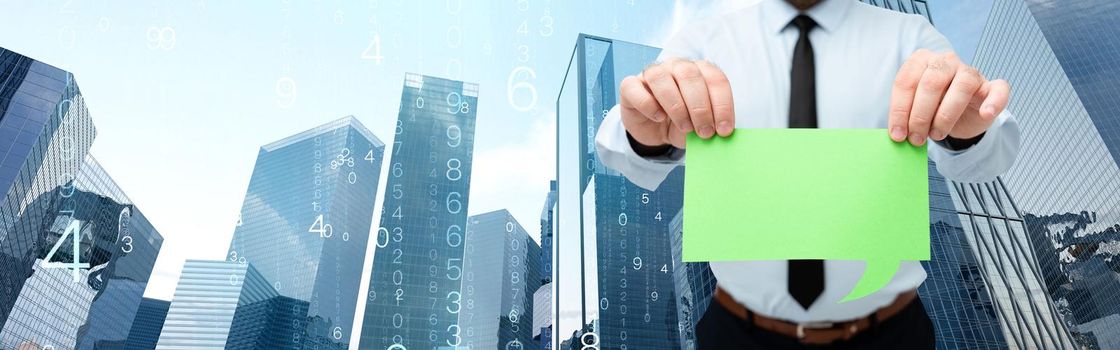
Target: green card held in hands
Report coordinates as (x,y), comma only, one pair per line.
(780,194)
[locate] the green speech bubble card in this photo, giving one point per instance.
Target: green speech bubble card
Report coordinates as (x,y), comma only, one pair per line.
(780,194)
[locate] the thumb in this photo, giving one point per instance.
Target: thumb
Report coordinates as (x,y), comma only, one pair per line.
(997,94)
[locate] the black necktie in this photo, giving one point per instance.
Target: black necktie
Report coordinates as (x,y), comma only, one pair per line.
(806,277)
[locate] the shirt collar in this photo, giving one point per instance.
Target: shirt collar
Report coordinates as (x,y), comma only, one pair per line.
(828,14)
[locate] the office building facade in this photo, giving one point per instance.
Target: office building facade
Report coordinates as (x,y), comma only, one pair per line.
(695,284)
(955,293)
(306,218)
(978,284)
(1085,39)
(208,295)
(548,227)
(543,305)
(45,135)
(1065,182)
(45,129)
(414,297)
(144,333)
(637,302)
(90,249)
(501,267)
(542,316)
(66,229)
(995,228)
(276,322)
(625,280)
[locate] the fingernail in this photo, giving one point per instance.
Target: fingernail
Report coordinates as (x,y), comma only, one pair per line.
(936,135)
(706,131)
(724,128)
(916,139)
(659,117)
(897,134)
(686,126)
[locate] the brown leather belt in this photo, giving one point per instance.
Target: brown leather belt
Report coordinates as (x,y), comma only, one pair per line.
(816,332)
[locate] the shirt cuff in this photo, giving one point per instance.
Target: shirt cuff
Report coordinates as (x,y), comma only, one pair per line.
(648,151)
(617,152)
(991,155)
(955,144)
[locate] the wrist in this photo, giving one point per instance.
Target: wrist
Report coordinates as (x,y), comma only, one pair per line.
(965,134)
(959,144)
(645,150)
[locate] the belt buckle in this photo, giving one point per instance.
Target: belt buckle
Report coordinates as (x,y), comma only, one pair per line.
(811,325)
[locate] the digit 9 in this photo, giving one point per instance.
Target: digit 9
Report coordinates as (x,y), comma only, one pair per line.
(456,104)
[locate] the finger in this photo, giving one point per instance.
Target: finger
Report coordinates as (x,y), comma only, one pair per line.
(965,84)
(635,96)
(902,94)
(695,93)
(931,89)
(998,93)
(719,91)
(668,95)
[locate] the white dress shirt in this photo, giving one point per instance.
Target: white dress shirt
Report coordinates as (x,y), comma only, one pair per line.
(858,49)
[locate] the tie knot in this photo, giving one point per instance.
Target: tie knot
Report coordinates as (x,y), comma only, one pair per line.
(803,23)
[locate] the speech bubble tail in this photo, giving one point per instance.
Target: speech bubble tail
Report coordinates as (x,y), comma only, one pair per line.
(875,277)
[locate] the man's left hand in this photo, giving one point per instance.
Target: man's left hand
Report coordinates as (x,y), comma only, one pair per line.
(935,95)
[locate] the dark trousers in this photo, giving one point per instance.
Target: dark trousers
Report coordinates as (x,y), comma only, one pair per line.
(909,329)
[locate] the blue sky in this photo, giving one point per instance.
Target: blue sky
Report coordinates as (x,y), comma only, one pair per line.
(184,93)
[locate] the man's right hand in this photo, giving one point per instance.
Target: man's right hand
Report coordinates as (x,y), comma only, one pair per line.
(668,100)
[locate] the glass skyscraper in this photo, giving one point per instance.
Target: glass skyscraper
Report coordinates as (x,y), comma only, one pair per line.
(305,221)
(1059,58)
(994,226)
(1084,37)
(542,316)
(70,240)
(955,294)
(981,290)
(277,322)
(147,325)
(626,282)
(695,285)
(91,251)
(548,223)
(544,304)
(501,267)
(45,133)
(414,297)
(1086,41)
(205,301)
